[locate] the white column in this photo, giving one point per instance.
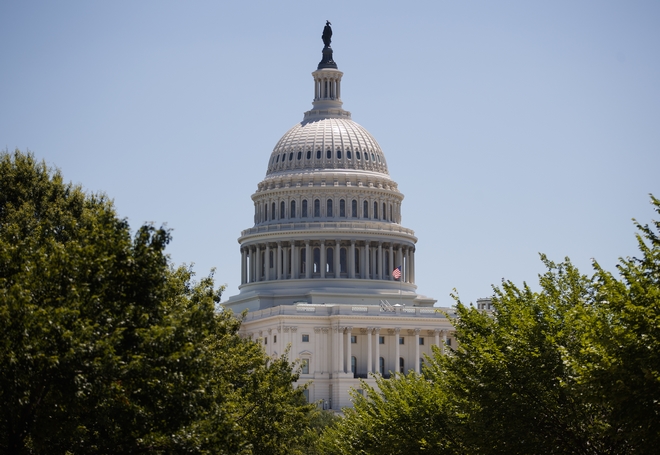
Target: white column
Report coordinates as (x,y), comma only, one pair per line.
(243,266)
(348,349)
(326,354)
(278,261)
(294,343)
(257,275)
(397,354)
(381,274)
(318,355)
(417,350)
(392,264)
(436,332)
(351,260)
(377,336)
(308,260)
(340,339)
(444,341)
(295,262)
(369,360)
(323,259)
(412,265)
(268,264)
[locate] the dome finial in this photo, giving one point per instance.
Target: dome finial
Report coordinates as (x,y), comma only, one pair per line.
(327,61)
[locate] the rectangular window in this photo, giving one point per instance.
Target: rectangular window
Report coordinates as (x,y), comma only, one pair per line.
(274,338)
(381,340)
(305,338)
(448,341)
(265,340)
(421,341)
(305,366)
(401,340)
(353,339)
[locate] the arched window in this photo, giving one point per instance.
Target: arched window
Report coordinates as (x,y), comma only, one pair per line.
(292,210)
(272,212)
(309,154)
(375,210)
(348,154)
(282,210)
(353,364)
(357,261)
(328,154)
(283,157)
(357,155)
(304,208)
(338,154)
(365,210)
(342,260)
(278,159)
(318,154)
(401,365)
(330,260)
(291,156)
(317,208)
(354,209)
(342,208)
(381,366)
(366,156)
(384,211)
(299,155)
(303,261)
(270,259)
(373,157)
(391,213)
(328,211)
(265,212)
(317,261)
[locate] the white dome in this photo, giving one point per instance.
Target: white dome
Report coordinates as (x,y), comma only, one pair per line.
(327,143)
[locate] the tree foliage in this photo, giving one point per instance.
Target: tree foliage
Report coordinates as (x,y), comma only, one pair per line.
(571,369)
(107,348)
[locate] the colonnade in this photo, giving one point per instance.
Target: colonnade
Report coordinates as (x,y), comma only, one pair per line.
(326,259)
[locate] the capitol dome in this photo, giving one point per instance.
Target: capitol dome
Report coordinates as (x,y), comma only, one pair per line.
(327,215)
(327,143)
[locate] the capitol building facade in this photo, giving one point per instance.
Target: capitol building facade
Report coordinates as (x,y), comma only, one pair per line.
(328,269)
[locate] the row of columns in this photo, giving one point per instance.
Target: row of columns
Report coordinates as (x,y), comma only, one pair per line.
(263,214)
(371,262)
(342,364)
(327,87)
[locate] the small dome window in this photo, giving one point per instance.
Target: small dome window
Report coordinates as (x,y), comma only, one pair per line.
(291,156)
(348,154)
(299,155)
(328,154)
(357,155)
(378,156)
(318,154)
(278,159)
(309,154)
(373,157)
(338,154)
(366,156)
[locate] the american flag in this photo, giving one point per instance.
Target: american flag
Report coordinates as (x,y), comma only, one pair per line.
(396,273)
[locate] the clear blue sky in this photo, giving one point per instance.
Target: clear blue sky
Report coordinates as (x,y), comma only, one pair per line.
(512,127)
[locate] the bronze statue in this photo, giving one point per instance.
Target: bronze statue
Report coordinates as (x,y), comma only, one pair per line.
(327,34)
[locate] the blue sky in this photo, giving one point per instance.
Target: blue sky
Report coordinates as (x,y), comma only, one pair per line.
(512,127)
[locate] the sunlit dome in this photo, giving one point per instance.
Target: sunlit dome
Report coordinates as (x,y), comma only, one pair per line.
(327,143)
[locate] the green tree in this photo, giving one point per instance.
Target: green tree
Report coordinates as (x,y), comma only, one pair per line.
(106,348)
